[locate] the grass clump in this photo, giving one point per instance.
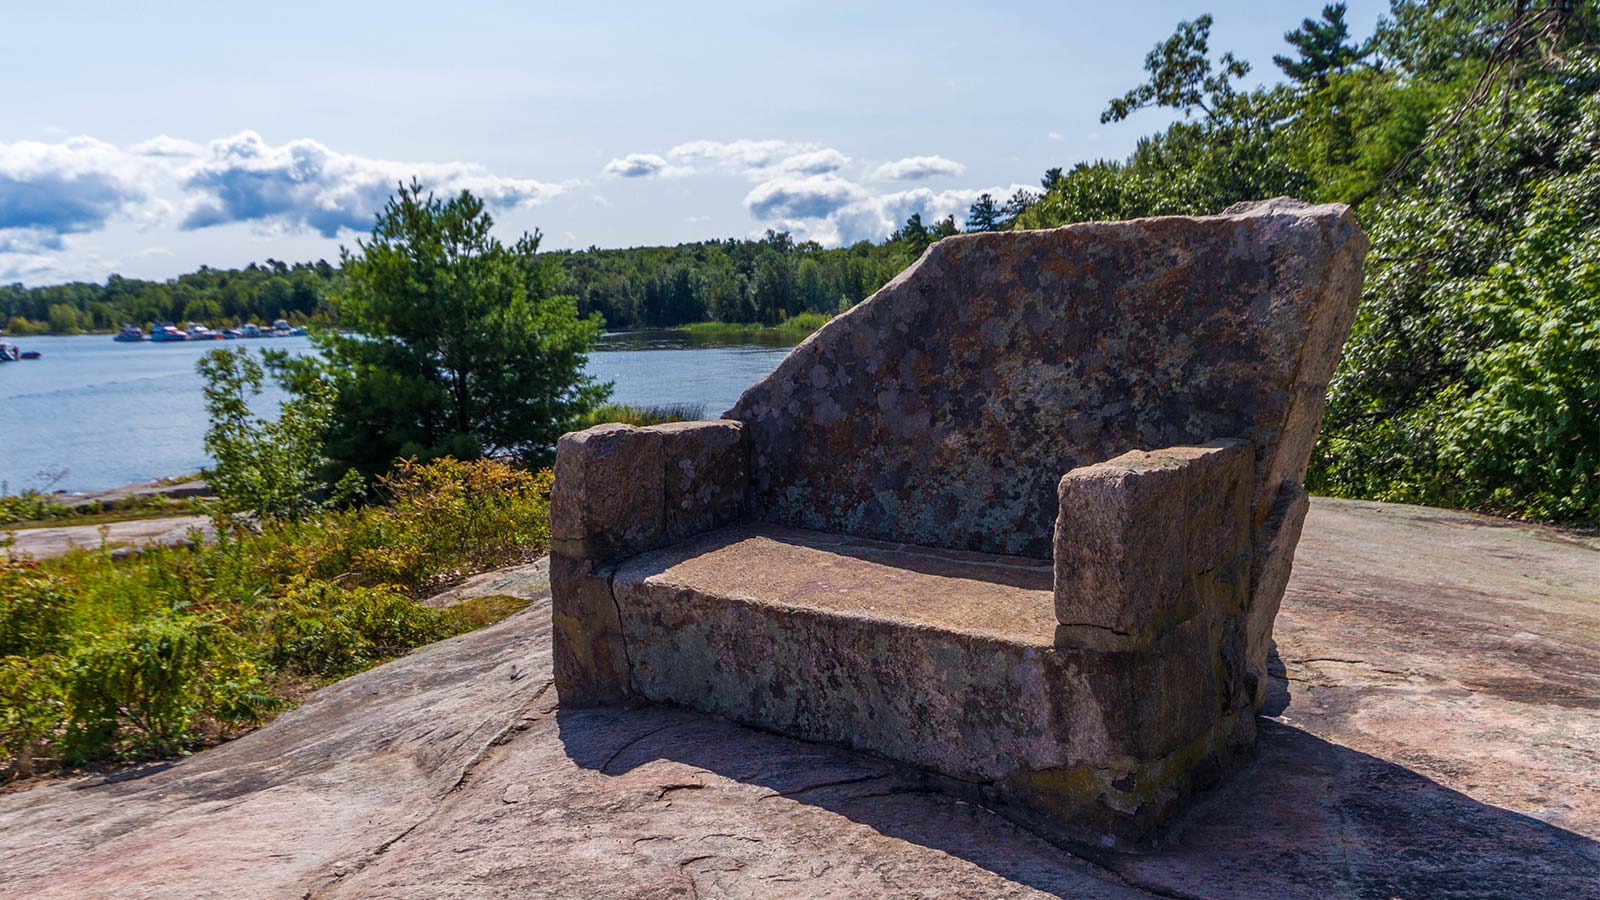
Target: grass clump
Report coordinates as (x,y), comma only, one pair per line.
(108,660)
(641,415)
(796,326)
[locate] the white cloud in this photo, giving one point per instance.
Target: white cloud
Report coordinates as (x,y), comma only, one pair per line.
(918,167)
(1055,136)
(759,160)
(642,165)
(71,187)
(163,145)
(813,162)
(303,184)
(807,197)
(600,200)
(831,210)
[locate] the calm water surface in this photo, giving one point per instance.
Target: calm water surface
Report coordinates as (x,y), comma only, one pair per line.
(111,414)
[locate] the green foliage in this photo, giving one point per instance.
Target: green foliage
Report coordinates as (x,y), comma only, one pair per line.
(260,293)
(328,629)
(461,347)
(269,468)
(1322,46)
(1470,378)
(108,659)
(984,215)
(1467,133)
(642,415)
(30,506)
(1183,77)
(138,689)
(34,615)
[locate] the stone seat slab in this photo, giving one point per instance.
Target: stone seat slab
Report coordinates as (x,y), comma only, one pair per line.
(1002,598)
(947,659)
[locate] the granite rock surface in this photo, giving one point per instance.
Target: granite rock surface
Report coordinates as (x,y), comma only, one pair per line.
(1430,732)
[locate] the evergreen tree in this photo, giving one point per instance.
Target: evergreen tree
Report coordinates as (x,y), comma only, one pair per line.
(459,347)
(1016,206)
(984,214)
(914,235)
(1323,47)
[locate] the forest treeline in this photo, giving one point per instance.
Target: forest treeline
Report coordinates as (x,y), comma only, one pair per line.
(763,281)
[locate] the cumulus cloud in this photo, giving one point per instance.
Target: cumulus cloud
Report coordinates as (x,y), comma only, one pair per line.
(163,145)
(812,162)
(639,165)
(808,197)
(832,210)
(913,168)
(50,190)
(303,184)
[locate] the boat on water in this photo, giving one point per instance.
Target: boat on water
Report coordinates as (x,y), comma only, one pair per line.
(130,334)
(198,331)
(9,352)
(282,328)
(250,330)
(166,331)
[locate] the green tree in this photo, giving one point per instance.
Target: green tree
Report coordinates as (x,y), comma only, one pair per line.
(1182,76)
(984,215)
(1323,47)
(459,346)
(64,319)
(1020,202)
(269,468)
(914,235)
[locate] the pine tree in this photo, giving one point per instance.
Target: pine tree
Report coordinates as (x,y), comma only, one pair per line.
(984,215)
(1322,47)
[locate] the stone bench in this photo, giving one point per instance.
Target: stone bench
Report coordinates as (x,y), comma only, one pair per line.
(1023,518)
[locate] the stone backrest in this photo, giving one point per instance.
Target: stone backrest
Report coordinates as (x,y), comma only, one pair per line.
(945,410)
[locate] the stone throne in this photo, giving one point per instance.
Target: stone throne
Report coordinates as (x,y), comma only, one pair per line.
(1023,518)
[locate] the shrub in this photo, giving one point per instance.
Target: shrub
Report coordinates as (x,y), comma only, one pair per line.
(266,468)
(321,628)
(108,659)
(641,415)
(30,506)
(34,612)
(138,689)
(31,712)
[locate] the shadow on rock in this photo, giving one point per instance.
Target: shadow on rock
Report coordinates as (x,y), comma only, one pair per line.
(1306,818)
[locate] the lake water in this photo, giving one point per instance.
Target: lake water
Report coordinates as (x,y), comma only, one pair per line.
(110,414)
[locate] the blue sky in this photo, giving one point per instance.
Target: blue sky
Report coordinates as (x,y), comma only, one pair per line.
(148,139)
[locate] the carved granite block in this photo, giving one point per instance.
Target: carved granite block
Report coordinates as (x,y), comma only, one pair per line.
(912,575)
(705,475)
(1150,538)
(591,660)
(1119,544)
(607,501)
(1270,574)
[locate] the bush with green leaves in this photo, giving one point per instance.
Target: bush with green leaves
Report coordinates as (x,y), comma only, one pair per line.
(104,658)
(270,468)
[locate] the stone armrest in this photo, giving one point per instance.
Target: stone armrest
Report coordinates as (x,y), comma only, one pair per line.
(1146,540)
(620,490)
